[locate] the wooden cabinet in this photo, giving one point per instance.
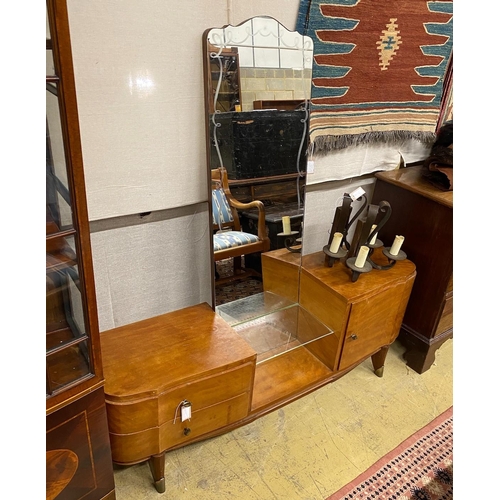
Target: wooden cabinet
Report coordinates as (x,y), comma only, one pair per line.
(365,315)
(78,453)
(423,214)
(78,459)
(281,273)
(227,367)
(155,367)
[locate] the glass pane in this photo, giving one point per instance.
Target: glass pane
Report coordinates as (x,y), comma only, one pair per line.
(64,315)
(57,188)
(47,24)
(55,136)
(282,331)
(67,366)
(50,70)
(64,306)
(252,307)
(273,325)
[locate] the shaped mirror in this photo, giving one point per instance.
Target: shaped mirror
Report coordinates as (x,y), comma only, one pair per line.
(257,90)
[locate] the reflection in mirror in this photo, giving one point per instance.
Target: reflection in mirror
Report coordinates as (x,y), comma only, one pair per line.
(257,90)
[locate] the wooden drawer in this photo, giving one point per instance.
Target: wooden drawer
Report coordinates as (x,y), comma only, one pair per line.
(139,446)
(446,320)
(152,412)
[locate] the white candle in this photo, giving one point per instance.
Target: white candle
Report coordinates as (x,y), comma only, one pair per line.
(374,239)
(337,240)
(396,246)
(287,228)
(361,258)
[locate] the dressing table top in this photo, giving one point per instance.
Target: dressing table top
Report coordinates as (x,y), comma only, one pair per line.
(150,356)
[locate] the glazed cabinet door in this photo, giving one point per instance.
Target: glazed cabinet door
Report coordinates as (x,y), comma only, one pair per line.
(72,337)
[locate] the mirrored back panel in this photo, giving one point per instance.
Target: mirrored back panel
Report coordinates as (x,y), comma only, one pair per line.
(257,90)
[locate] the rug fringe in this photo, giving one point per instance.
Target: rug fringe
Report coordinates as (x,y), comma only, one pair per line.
(327,144)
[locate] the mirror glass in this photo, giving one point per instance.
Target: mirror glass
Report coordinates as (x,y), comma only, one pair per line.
(257,91)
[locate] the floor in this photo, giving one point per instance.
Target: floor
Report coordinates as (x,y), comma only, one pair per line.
(310,448)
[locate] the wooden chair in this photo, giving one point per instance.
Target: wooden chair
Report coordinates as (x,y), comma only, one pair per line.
(228,238)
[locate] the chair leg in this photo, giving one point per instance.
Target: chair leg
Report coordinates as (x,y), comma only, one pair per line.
(237,265)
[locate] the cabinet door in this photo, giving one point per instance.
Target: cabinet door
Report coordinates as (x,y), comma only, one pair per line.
(373,323)
(78,463)
(72,342)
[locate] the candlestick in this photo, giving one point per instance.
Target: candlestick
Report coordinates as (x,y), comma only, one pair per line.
(337,240)
(374,238)
(287,229)
(396,246)
(361,258)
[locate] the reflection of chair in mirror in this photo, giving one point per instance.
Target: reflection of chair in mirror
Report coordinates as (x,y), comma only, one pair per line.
(229,240)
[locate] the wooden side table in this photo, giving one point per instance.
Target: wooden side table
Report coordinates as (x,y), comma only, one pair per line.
(423,214)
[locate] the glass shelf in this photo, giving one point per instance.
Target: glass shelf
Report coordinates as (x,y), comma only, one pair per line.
(273,325)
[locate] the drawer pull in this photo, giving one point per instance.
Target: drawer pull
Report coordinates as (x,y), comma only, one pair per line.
(354,336)
(187,430)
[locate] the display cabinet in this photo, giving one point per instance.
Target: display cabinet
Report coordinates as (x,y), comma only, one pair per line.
(78,455)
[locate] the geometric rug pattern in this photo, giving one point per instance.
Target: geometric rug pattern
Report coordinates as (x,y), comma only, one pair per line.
(420,468)
(378,69)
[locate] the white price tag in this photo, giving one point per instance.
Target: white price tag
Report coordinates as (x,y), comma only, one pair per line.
(357,193)
(310,167)
(185,411)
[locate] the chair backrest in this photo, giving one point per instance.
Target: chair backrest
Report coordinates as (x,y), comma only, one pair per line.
(223,215)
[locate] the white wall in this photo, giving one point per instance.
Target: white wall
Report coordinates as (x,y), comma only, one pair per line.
(342,172)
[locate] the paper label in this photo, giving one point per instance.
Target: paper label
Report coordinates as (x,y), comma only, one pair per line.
(185,412)
(310,167)
(357,193)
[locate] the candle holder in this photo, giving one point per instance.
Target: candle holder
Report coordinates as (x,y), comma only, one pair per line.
(331,257)
(400,255)
(377,244)
(291,240)
(341,224)
(366,230)
(356,271)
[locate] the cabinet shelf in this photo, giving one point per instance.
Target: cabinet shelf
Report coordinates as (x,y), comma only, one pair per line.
(60,338)
(60,261)
(272,325)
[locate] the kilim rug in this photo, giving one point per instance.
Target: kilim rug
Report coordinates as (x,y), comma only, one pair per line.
(378,69)
(420,468)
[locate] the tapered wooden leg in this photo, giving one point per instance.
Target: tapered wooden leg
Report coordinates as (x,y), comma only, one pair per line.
(157,466)
(378,360)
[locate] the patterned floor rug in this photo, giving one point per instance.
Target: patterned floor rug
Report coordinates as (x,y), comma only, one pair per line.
(420,468)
